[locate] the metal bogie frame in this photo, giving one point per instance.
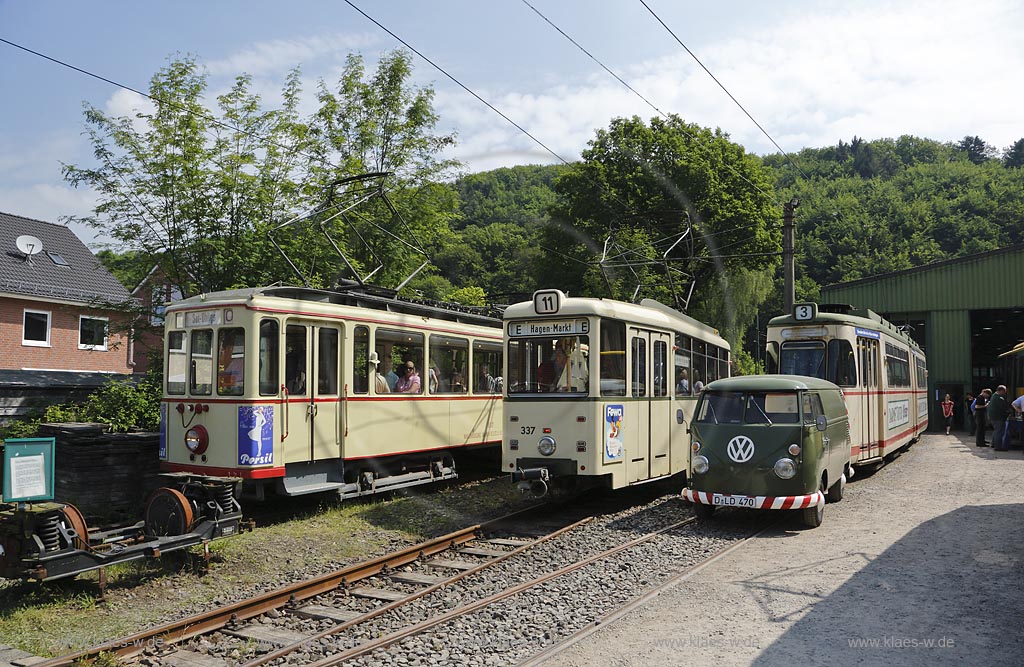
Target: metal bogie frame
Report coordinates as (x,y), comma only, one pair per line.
(287,389)
(619,408)
(50,541)
(880,369)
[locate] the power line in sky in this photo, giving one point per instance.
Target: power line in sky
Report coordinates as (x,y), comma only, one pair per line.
(634,91)
(206,115)
(720,85)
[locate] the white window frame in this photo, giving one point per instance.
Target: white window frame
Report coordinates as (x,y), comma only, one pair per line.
(106,333)
(49,326)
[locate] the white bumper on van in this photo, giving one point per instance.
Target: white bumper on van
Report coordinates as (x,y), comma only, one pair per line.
(755,502)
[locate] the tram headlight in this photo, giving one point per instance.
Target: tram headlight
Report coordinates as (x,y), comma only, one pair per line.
(197,439)
(794,449)
(546,446)
(785,468)
(700,465)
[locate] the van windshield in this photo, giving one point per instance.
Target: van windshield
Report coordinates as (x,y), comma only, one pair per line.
(755,407)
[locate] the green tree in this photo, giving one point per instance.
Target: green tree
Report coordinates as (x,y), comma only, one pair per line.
(643,184)
(976,150)
(1013,155)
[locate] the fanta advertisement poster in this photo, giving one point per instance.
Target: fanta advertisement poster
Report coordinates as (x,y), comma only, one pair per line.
(163,432)
(255,435)
(614,449)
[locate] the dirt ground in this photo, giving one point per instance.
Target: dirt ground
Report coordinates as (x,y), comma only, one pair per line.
(922,563)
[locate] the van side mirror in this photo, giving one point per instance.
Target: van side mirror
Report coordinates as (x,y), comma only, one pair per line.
(821,423)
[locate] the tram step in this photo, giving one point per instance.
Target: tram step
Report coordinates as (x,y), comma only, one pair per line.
(416,578)
(319,611)
(378,593)
(479,551)
(266,634)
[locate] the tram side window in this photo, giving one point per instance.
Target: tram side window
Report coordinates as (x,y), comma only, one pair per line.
(201,363)
(660,368)
(396,350)
(682,365)
(449,360)
(613,358)
(724,368)
(639,354)
(231,361)
(327,362)
(897,365)
(712,362)
(362,369)
(177,363)
(842,368)
(487,378)
(270,344)
(922,373)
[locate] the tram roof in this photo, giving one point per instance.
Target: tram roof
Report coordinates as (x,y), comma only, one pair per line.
(843,314)
(648,311)
(373,298)
(769,383)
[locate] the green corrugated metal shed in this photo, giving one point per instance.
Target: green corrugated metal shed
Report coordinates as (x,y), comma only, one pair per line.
(943,295)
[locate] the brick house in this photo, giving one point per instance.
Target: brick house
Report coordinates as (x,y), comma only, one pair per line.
(60,335)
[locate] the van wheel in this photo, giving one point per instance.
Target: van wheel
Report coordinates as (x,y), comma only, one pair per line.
(703,512)
(835,494)
(812,516)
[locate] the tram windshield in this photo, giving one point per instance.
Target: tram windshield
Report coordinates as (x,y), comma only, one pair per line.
(549,365)
(805,358)
(755,407)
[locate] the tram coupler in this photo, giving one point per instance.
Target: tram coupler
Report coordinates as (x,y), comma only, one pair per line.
(534,480)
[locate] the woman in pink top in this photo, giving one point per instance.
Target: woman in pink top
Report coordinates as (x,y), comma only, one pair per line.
(410,382)
(947,412)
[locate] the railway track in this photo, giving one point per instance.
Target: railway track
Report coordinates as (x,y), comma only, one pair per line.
(429,599)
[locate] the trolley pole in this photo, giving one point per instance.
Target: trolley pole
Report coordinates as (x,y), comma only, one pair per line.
(789,265)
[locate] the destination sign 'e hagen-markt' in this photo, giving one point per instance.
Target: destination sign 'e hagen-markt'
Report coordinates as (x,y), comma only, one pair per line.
(551,328)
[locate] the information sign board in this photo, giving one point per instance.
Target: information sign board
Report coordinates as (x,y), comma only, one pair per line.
(28,469)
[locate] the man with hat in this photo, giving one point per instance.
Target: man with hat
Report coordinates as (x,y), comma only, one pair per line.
(410,383)
(380,383)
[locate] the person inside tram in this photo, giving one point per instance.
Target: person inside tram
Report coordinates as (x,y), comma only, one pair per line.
(683,386)
(410,382)
(380,383)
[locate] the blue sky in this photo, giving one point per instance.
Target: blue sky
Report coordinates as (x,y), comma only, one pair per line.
(811,72)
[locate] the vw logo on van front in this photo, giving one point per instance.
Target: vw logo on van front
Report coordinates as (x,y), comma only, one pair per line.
(740,449)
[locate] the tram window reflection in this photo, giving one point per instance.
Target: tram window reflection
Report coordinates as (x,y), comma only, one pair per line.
(201,380)
(270,342)
(231,361)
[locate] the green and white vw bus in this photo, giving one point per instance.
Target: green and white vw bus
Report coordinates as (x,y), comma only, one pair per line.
(778,442)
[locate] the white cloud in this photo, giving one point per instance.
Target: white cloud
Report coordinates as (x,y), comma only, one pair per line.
(280,55)
(50,203)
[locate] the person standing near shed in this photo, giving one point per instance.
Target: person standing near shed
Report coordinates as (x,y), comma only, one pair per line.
(980,405)
(969,413)
(998,411)
(947,412)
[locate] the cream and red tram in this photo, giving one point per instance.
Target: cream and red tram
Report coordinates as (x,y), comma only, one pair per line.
(881,370)
(293,390)
(602,389)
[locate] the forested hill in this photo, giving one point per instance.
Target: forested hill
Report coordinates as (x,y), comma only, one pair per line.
(866,207)
(869,207)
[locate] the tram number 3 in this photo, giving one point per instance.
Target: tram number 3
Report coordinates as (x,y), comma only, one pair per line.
(527,430)
(804,312)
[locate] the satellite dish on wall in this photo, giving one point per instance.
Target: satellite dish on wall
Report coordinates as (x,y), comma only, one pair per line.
(28,245)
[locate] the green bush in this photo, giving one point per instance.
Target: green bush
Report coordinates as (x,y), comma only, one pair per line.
(124,404)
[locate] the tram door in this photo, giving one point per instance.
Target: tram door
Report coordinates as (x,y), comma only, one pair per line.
(649,457)
(310,429)
(870,399)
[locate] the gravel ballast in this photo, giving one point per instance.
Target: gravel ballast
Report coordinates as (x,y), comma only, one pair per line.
(922,563)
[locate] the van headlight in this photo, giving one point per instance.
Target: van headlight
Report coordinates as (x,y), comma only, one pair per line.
(785,468)
(695,447)
(700,465)
(546,446)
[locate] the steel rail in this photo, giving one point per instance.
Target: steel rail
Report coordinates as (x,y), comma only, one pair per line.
(215,619)
(471,607)
(291,648)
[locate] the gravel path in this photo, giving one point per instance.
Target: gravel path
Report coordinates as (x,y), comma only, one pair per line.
(922,563)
